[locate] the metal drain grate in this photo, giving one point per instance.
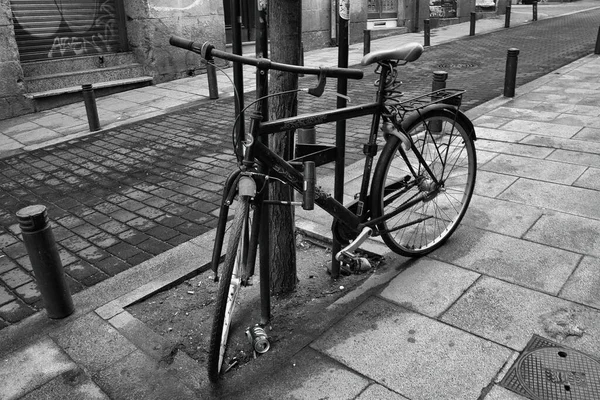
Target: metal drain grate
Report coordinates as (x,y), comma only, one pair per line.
(548,371)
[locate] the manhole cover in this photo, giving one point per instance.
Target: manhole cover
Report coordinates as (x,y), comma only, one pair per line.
(458,66)
(548,371)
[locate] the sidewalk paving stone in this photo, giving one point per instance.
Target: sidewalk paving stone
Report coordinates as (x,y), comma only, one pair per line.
(567,199)
(72,385)
(501,312)
(517,261)
(429,286)
(388,344)
(30,367)
(92,343)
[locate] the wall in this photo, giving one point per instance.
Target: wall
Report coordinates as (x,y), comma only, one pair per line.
(12,101)
(150,23)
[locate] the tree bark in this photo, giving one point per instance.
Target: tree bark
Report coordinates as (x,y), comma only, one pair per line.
(285,38)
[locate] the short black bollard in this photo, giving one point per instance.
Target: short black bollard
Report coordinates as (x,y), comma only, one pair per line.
(534,10)
(306,135)
(510,78)
(426,33)
(45,261)
(473,19)
(89,99)
(507,16)
(439,82)
(366,41)
(213,89)
(597,50)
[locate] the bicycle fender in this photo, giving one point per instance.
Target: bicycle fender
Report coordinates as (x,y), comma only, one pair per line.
(461,118)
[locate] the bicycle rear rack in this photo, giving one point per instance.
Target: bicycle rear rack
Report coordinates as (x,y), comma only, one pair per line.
(446,96)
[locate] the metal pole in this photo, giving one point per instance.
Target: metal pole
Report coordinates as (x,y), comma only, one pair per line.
(507,16)
(597,50)
(366,41)
(211,73)
(238,73)
(340,128)
(262,51)
(89,99)
(510,78)
(45,261)
(426,33)
(535,10)
(472,26)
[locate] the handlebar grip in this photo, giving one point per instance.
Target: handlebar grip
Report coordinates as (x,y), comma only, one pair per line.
(181,42)
(351,73)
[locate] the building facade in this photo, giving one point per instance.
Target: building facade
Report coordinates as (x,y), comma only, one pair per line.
(50,48)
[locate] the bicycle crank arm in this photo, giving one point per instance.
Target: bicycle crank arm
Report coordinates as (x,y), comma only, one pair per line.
(348,251)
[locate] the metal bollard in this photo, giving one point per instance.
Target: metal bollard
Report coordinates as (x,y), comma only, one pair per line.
(507,16)
(307,135)
(510,78)
(597,50)
(439,82)
(534,10)
(366,41)
(426,33)
(45,261)
(89,99)
(211,73)
(473,19)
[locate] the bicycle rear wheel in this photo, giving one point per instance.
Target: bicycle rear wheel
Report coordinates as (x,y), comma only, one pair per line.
(230,282)
(434,192)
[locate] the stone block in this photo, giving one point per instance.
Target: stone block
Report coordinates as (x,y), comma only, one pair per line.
(532,265)
(93,343)
(31,366)
(411,354)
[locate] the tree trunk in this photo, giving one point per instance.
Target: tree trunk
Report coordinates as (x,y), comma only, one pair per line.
(285,37)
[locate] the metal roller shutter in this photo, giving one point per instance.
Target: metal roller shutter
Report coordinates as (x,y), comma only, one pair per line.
(46,29)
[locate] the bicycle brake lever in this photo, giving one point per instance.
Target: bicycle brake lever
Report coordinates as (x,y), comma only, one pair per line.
(320,88)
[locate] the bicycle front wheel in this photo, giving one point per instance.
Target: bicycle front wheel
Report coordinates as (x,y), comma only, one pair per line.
(426,190)
(229,287)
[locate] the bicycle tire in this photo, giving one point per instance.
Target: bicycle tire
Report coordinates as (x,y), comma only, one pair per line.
(229,286)
(448,149)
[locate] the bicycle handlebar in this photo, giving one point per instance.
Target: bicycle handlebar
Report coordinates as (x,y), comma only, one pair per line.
(208,51)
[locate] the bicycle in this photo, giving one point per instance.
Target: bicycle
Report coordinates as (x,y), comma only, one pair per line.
(419,192)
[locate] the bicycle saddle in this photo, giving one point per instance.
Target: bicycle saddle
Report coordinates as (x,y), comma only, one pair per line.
(408,52)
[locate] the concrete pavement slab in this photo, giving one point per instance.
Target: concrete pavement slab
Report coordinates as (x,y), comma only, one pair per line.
(378,392)
(73,385)
(429,286)
(138,376)
(308,375)
(32,366)
(568,232)
(509,314)
(535,168)
(92,343)
(585,147)
(411,354)
(582,286)
(492,184)
(567,199)
(543,128)
(524,263)
(500,393)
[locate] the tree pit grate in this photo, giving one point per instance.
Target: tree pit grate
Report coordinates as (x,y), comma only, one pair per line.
(548,371)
